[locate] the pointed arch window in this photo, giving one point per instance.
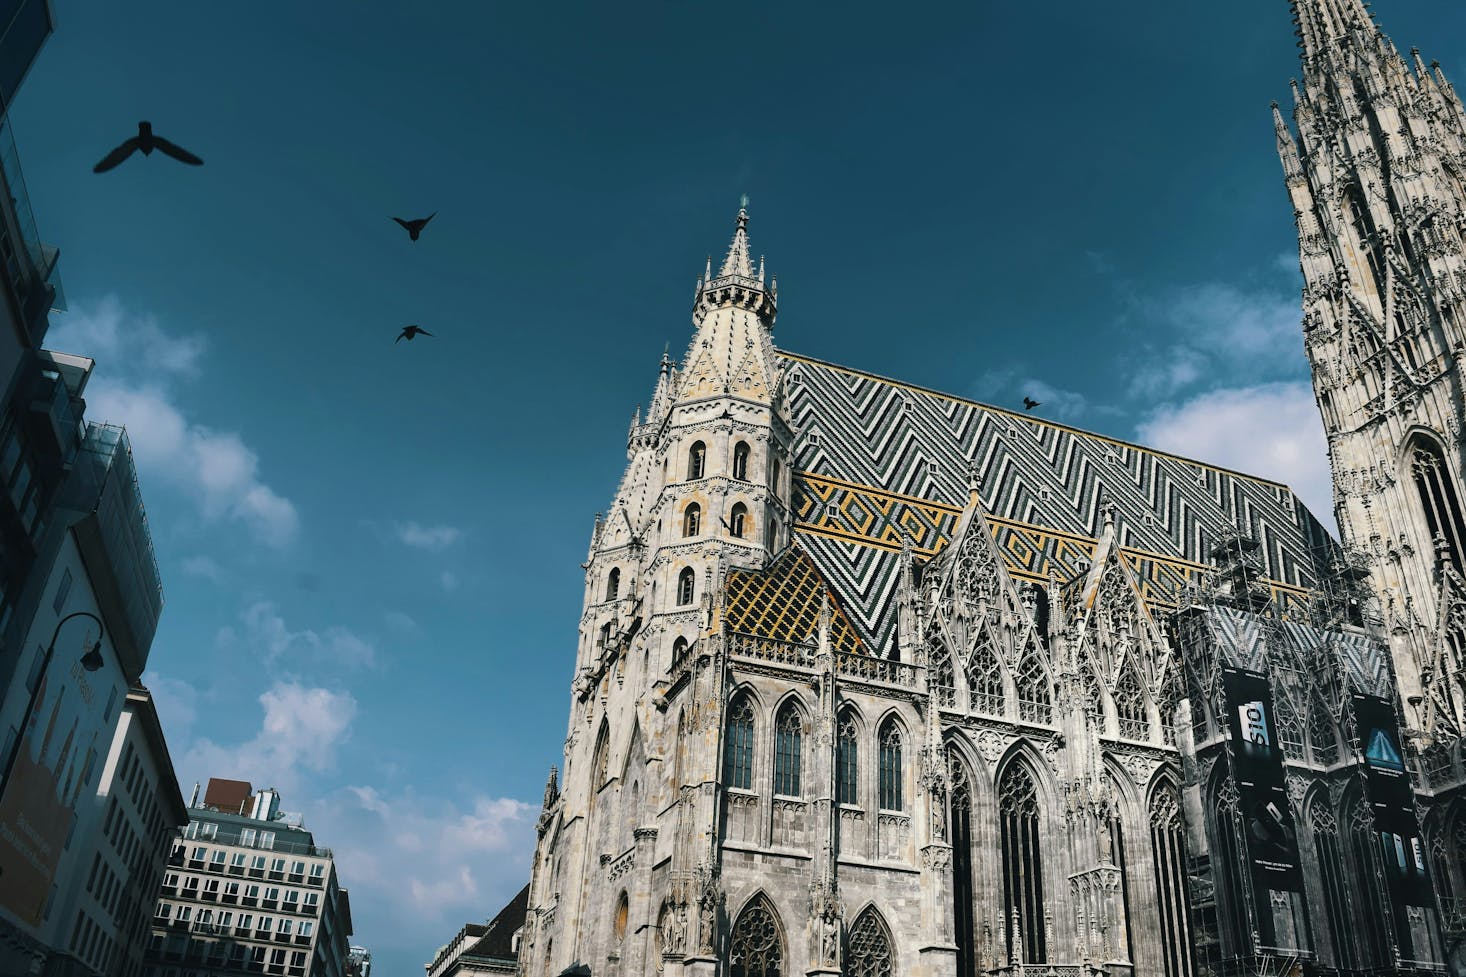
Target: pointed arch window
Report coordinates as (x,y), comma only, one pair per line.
(692,519)
(943,682)
(697,457)
(1369,885)
(1168,849)
(1331,877)
(964,905)
(1035,703)
(686,585)
(738,745)
(756,946)
(613,583)
(1290,730)
(985,680)
(847,782)
(788,737)
(601,758)
(1321,736)
(622,912)
(677,751)
(1436,486)
(1130,705)
(778,473)
(870,953)
(738,520)
(740,461)
(891,771)
(1370,246)
(1023,887)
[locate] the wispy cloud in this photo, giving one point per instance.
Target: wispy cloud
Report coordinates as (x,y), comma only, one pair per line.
(130,387)
(299,734)
(1270,429)
(1007,386)
(449,580)
(203,567)
(432,538)
(263,630)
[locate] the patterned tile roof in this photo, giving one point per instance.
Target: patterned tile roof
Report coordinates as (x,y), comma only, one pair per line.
(878,457)
(783,602)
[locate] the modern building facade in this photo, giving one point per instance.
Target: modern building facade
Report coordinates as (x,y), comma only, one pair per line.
(247,891)
(875,680)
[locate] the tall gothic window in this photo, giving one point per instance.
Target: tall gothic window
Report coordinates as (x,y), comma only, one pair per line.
(1321,736)
(738,745)
(692,519)
(891,770)
(696,460)
(1035,704)
(1023,886)
(846,781)
(1290,730)
(738,521)
(613,584)
(1117,855)
(1331,876)
(740,461)
(1369,884)
(788,734)
(1369,244)
(963,903)
(1130,705)
(756,947)
(686,582)
(678,750)
(776,474)
(943,682)
(869,942)
(600,758)
(1439,498)
(1228,866)
(985,681)
(1168,849)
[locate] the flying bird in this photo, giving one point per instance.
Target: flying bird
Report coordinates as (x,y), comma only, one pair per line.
(1029,403)
(414,227)
(410,333)
(146,141)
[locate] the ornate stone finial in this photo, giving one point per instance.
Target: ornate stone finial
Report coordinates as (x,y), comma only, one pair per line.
(974,478)
(1107,510)
(552,786)
(1442,550)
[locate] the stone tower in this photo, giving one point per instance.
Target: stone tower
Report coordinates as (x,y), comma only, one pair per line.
(1377,176)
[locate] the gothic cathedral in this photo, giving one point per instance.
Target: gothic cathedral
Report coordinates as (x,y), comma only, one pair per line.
(874,681)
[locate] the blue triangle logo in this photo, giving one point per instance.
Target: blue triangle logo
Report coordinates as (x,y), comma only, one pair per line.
(1382,751)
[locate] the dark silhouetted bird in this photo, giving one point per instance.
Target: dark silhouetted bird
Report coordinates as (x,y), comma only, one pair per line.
(146,141)
(410,333)
(414,227)
(1029,403)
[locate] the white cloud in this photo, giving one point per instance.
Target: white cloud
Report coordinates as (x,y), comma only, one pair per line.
(203,567)
(138,343)
(177,705)
(449,579)
(265,632)
(432,538)
(401,623)
(1272,430)
(426,863)
(135,361)
(300,732)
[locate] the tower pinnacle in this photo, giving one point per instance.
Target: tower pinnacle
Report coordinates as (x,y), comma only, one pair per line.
(737,262)
(737,284)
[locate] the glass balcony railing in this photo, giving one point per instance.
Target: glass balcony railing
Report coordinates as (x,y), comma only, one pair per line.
(39,290)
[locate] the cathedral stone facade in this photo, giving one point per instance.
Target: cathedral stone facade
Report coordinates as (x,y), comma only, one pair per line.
(872,680)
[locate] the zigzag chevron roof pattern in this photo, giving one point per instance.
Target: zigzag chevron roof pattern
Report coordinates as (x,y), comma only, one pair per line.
(875,454)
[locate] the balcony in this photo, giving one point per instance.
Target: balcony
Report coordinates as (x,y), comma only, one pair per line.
(36,283)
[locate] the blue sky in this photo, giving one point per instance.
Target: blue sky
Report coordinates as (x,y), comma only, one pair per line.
(371,552)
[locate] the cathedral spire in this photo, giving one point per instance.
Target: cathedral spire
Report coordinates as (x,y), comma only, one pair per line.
(1323,24)
(737,283)
(737,262)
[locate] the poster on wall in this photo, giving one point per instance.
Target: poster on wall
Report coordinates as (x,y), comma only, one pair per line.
(1269,837)
(1400,844)
(58,754)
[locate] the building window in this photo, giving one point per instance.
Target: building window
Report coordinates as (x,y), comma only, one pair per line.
(613,584)
(870,948)
(756,948)
(1023,888)
(788,733)
(1035,704)
(778,471)
(1130,706)
(738,751)
(959,822)
(985,680)
(685,586)
(891,771)
(1331,877)
(62,590)
(622,910)
(738,521)
(1168,848)
(696,460)
(846,762)
(601,758)
(740,461)
(1369,887)
(692,519)
(943,681)
(1436,487)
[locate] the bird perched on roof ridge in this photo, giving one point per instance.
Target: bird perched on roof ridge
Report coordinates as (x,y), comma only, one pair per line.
(1029,403)
(414,227)
(410,333)
(146,141)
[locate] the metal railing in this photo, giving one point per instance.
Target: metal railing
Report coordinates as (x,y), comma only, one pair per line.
(872,669)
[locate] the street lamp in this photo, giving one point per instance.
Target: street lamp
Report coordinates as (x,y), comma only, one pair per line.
(91,661)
